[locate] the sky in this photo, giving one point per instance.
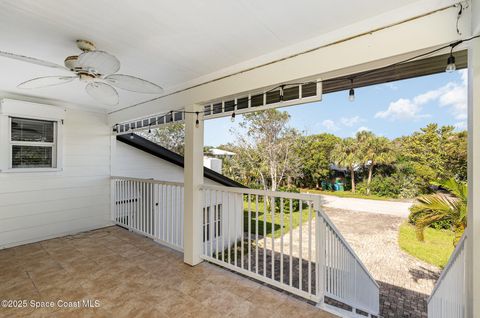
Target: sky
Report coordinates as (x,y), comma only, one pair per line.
(392,110)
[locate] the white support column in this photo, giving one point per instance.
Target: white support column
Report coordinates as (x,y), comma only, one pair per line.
(473,229)
(193,179)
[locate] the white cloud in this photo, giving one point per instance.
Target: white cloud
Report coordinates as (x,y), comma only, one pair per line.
(350,121)
(363,128)
(453,95)
(329,124)
(401,109)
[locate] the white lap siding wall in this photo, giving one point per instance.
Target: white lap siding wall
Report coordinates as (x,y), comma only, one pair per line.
(39,205)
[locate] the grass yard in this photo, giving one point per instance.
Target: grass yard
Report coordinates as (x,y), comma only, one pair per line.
(348,194)
(436,249)
(265,220)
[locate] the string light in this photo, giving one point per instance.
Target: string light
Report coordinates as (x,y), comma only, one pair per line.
(233,117)
(351,92)
(451,62)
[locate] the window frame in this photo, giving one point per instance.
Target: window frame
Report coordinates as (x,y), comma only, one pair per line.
(217,222)
(55,145)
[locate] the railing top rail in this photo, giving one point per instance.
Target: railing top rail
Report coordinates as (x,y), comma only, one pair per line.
(148,180)
(447,267)
(345,243)
(286,195)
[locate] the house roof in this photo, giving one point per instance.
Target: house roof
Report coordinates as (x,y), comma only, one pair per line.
(221,152)
(172,157)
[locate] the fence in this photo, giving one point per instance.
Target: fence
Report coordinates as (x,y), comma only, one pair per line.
(150,207)
(300,250)
(449,295)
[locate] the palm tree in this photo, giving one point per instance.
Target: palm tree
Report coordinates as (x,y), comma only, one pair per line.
(345,154)
(451,206)
(373,150)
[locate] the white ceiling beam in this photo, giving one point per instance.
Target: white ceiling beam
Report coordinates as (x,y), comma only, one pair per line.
(368,51)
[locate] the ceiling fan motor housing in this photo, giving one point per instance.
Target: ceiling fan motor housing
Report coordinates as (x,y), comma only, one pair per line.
(71,62)
(86,46)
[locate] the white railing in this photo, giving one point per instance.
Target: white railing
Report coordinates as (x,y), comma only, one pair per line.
(150,207)
(238,233)
(448,297)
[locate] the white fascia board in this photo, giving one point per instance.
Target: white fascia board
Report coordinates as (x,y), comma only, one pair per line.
(361,53)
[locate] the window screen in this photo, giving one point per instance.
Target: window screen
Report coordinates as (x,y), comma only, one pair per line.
(32,130)
(33,143)
(31,157)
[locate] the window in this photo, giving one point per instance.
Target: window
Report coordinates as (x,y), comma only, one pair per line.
(217,222)
(33,143)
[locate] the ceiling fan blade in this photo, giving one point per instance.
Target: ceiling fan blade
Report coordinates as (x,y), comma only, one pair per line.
(133,84)
(32,60)
(99,62)
(46,81)
(103,93)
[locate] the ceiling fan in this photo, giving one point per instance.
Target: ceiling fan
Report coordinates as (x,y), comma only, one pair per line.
(96,68)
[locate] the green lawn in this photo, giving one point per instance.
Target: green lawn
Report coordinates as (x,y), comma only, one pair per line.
(349,194)
(266,220)
(436,249)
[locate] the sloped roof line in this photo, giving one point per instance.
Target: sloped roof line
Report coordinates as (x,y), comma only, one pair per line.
(156,150)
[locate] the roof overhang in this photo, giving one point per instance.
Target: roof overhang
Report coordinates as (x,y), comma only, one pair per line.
(340,58)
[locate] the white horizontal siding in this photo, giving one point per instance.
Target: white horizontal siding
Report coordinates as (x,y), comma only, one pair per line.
(134,163)
(41,205)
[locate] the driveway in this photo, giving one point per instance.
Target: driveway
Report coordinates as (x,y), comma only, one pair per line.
(395,208)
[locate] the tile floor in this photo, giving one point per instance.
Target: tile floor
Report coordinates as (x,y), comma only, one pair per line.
(130,276)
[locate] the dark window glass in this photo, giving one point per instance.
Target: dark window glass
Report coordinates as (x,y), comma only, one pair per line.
(290,93)
(178,116)
(32,130)
(257,100)
(217,108)
(229,106)
(242,103)
(273,97)
(208,110)
(309,89)
(31,157)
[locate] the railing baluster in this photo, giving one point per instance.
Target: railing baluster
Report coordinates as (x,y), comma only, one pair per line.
(291,244)
(229,229)
(309,247)
(235,227)
(272,207)
(242,227)
(265,235)
(281,240)
(256,233)
(300,241)
(249,233)
(219,223)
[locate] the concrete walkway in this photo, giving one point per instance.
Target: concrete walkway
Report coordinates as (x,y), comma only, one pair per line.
(395,208)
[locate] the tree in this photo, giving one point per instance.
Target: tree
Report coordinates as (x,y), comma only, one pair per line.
(451,206)
(373,150)
(314,152)
(170,136)
(435,153)
(266,145)
(345,154)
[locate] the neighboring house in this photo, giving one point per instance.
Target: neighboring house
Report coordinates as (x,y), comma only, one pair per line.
(154,161)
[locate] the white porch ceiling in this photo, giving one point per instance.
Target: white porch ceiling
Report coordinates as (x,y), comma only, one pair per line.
(175,43)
